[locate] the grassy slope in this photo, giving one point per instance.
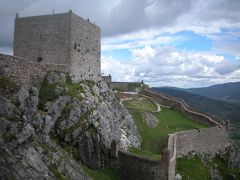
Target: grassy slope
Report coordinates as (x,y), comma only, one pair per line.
(102,174)
(194,168)
(143,153)
(142,104)
(170,121)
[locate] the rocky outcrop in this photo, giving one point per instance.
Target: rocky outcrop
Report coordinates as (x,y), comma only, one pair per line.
(151,120)
(48,133)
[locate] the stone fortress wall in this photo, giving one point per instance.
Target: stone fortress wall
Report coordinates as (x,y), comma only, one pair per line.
(181,106)
(203,142)
(134,167)
(44,39)
(125,86)
(60,39)
(208,141)
(25,72)
(85,49)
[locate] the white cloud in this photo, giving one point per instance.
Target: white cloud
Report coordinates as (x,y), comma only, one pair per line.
(139,39)
(141,27)
(169,67)
(228,43)
(145,53)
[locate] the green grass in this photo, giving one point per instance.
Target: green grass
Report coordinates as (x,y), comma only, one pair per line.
(140,103)
(13,118)
(192,168)
(222,165)
(7,137)
(7,85)
(102,174)
(47,90)
(143,153)
(170,121)
(53,168)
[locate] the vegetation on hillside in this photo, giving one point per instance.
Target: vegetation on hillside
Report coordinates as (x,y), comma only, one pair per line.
(102,174)
(47,91)
(197,168)
(7,86)
(229,92)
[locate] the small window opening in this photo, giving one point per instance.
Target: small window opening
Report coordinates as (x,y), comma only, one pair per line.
(39,59)
(75,46)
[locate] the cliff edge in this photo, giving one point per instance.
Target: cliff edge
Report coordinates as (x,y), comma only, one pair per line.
(49,131)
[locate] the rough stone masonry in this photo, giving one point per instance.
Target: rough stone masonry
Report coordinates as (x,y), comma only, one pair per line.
(60,39)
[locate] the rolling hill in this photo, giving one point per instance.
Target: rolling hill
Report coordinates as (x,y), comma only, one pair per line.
(227,92)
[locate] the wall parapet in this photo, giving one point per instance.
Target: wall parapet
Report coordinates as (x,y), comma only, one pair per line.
(25,72)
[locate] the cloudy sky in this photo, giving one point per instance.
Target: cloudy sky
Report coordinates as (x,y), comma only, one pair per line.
(182,43)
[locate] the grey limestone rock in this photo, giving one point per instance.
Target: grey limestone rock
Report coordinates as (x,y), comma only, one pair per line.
(55,108)
(6,107)
(103,87)
(85,123)
(22,94)
(55,77)
(178,177)
(26,132)
(71,169)
(151,120)
(28,99)
(95,90)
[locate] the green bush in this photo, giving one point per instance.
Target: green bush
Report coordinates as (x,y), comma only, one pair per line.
(7,85)
(47,90)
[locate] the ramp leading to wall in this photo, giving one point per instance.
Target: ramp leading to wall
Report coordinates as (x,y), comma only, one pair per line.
(182,107)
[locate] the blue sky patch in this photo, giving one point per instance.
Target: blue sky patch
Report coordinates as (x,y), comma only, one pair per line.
(192,41)
(123,55)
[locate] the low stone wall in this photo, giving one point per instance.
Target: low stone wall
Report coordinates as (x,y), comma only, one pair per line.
(208,141)
(134,167)
(182,107)
(25,72)
(125,86)
(172,147)
(139,168)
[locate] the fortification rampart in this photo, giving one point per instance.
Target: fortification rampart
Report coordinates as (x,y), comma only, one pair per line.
(135,167)
(25,72)
(209,141)
(125,86)
(182,107)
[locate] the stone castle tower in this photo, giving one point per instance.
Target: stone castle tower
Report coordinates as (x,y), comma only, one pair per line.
(60,39)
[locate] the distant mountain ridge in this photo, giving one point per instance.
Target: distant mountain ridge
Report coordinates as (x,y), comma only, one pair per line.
(227,92)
